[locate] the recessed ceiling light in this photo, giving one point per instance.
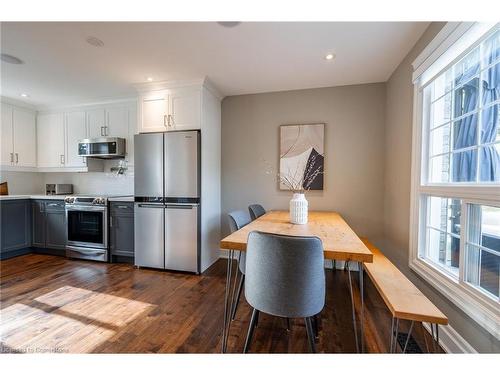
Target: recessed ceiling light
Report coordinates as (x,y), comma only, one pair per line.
(150,79)
(330,56)
(93,41)
(11,59)
(25,95)
(228,23)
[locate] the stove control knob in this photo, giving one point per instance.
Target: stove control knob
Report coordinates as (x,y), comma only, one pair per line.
(69,200)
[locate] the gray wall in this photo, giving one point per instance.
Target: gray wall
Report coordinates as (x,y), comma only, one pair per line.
(398,142)
(354,151)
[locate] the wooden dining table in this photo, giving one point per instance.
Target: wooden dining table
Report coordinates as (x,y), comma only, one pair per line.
(339,241)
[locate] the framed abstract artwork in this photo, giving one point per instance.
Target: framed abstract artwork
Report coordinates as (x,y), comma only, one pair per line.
(302,156)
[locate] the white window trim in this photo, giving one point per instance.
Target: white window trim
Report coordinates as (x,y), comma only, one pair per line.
(482,309)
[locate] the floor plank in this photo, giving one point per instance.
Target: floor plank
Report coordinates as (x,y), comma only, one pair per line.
(53,304)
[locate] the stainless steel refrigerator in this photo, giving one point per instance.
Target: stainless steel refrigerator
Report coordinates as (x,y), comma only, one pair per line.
(167,200)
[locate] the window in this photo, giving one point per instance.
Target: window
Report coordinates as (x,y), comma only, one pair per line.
(455,224)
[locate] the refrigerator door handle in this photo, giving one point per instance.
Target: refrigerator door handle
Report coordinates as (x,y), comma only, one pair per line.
(181,206)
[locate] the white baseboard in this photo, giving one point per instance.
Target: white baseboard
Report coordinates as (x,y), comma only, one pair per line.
(451,341)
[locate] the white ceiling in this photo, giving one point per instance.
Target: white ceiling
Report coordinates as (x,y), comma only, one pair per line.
(61,68)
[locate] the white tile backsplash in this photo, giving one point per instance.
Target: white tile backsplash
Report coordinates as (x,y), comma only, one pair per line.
(101,183)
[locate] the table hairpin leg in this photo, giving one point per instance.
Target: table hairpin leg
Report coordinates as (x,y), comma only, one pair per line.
(227,304)
(362,312)
(392,335)
(352,306)
(396,333)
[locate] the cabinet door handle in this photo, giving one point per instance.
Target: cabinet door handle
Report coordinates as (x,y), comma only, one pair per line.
(17,158)
(53,204)
(62,159)
(111,221)
(123,207)
(102,131)
(165,120)
(12,157)
(170,121)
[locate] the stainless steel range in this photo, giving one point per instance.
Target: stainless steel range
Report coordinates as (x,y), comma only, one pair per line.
(87,227)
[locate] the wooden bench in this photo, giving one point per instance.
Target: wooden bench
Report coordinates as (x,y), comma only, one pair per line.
(404,300)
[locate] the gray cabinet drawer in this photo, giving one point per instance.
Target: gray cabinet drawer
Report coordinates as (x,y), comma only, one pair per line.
(54,206)
(122,208)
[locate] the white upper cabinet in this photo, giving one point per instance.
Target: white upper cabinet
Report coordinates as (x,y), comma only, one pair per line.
(7,150)
(24,122)
(117,121)
(96,123)
(76,130)
(18,134)
(154,112)
(50,140)
(184,109)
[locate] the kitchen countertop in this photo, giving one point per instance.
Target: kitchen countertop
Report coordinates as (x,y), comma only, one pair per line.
(32,196)
(129,198)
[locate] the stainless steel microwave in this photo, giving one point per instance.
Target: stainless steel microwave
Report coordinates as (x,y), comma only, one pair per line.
(102,148)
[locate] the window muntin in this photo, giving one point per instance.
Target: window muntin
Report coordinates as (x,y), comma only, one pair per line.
(482,265)
(443,233)
(464,118)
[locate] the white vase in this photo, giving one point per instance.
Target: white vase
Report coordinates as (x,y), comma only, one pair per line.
(298,209)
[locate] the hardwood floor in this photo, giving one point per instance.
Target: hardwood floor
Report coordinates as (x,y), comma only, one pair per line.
(52,304)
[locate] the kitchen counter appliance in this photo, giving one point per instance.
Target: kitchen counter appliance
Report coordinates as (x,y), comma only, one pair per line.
(87,227)
(102,148)
(167,200)
(58,189)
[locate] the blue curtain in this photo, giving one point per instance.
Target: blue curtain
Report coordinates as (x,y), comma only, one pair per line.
(465,131)
(490,158)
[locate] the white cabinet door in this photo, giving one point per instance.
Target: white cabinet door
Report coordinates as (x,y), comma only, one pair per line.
(96,123)
(132,126)
(154,112)
(50,140)
(185,109)
(24,135)
(7,150)
(76,130)
(117,121)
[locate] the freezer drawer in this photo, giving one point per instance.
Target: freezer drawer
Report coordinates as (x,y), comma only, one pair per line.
(181,237)
(149,224)
(182,164)
(148,168)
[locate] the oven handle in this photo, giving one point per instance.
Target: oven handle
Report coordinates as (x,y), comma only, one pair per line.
(86,208)
(86,251)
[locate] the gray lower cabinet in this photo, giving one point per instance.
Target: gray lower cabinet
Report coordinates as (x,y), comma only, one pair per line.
(15,223)
(121,229)
(49,225)
(38,227)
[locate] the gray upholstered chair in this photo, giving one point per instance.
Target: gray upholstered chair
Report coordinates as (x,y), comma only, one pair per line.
(237,220)
(284,277)
(256,210)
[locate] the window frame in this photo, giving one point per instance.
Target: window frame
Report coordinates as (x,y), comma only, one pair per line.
(474,302)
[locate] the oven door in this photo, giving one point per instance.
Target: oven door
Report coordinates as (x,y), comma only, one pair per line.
(87,227)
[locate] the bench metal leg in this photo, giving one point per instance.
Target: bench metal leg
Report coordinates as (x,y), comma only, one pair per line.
(435,339)
(352,306)
(392,336)
(396,332)
(408,337)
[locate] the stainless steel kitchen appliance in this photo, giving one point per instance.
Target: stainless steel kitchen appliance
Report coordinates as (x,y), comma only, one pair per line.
(167,200)
(87,227)
(102,148)
(58,189)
